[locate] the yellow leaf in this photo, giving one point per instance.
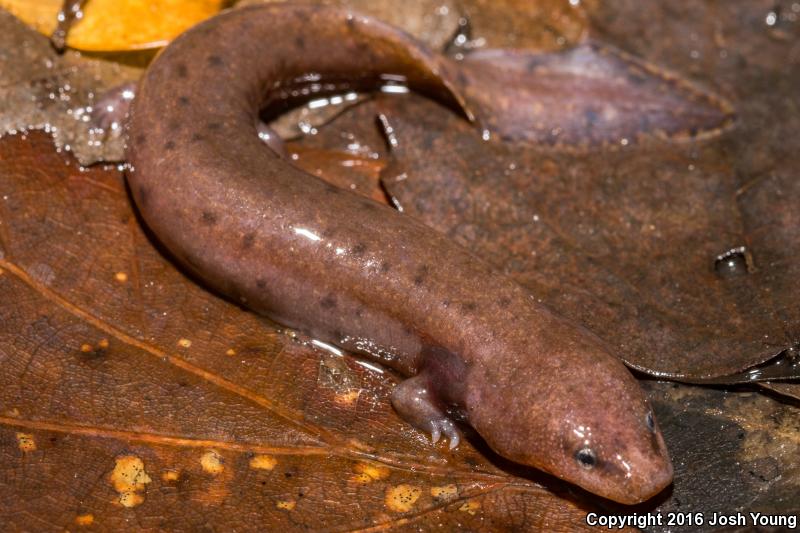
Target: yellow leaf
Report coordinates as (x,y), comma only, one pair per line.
(117,25)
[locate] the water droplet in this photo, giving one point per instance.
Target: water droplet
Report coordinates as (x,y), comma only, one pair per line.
(733,263)
(771,18)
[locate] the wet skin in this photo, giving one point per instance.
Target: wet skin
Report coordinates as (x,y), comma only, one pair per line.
(349,271)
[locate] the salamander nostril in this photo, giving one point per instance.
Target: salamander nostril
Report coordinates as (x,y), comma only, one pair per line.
(586,458)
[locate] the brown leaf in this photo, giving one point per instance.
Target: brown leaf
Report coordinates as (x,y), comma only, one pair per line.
(626,243)
(114,25)
(543,25)
(130,391)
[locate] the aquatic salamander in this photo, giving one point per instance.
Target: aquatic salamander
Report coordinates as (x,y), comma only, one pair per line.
(349,271)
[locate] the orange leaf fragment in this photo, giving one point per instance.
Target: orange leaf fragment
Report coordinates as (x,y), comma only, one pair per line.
(117,25)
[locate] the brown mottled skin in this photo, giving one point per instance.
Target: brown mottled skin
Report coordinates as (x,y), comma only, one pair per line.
(355,273)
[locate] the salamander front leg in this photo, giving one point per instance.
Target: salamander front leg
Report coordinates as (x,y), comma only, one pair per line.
(416,404)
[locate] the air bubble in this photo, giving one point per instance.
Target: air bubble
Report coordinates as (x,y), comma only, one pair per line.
(733,263)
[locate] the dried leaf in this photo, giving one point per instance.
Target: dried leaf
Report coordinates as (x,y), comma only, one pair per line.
(113,25)
(542,25)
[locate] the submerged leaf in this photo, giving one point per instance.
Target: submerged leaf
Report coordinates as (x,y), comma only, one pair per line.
(42,89)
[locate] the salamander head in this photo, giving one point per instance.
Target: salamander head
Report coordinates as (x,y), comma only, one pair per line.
(579,416)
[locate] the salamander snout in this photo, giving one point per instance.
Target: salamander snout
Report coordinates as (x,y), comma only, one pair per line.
(627,464)
(584,419)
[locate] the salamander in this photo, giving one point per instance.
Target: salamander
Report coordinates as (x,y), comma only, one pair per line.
(347,270)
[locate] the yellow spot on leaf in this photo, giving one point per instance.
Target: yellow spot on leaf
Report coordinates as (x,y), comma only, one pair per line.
(445,492)
(86,348)
(347,398)
(286,505)
(263,462)
(367,473)
(470,507)
(170,475)
(130,499)
(129,479)
(122,277)
(184,343)
(402,497)
(26,442)
(112,25)
(230,351)
(84,519)
(212,462)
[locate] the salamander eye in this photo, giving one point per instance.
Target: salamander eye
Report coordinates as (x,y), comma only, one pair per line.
(586,458)
(650,421)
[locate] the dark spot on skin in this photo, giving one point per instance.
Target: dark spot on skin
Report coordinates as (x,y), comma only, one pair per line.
(213,126)
(300,42)
(287,475)
(693,131)
(591,117)
(215,61)
(504,302)
(181,70)
(338,334)
(422,273)
(328,302)
(533,64)
(446,303)
(261,283)
(196,137)
(385,267)
(248,240)
(363,49)
(169,145)
(469,306)
(174,125)
(183,100)
(209,218)
(369,206)
(141,138)
(359,312)
(359,249)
